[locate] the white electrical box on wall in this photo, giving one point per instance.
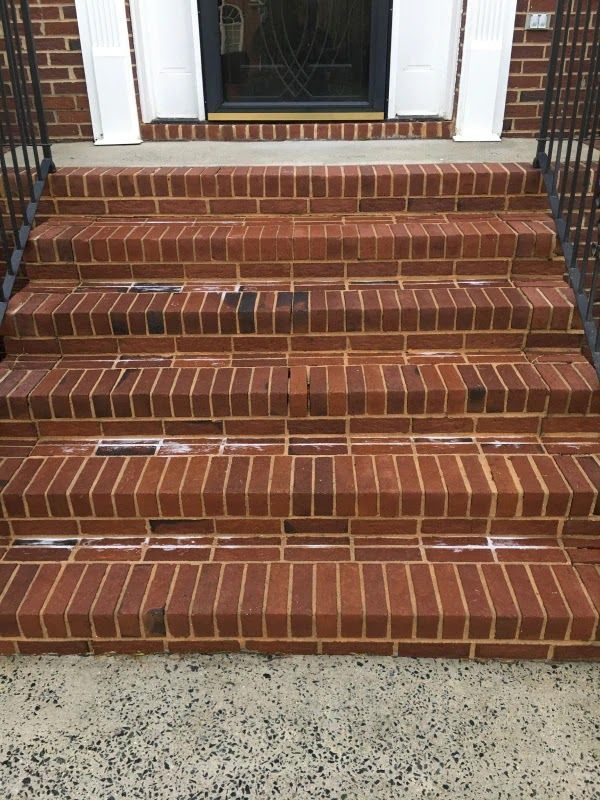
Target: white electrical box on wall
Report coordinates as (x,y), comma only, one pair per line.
(538,22)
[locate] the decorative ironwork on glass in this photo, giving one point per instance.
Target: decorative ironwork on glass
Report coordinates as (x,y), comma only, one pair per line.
(292,51)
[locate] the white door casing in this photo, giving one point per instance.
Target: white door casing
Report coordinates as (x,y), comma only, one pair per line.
(487,51)
(424,57)
(425,35)
(108,71)
(167,48)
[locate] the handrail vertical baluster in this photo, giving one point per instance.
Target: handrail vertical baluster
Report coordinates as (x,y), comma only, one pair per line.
(572,123)
(25,151)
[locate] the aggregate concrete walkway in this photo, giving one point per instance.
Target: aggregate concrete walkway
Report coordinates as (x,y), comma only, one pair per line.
(224,154)
(226,727)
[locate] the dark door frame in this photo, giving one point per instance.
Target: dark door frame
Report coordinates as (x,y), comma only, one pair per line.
(373,108)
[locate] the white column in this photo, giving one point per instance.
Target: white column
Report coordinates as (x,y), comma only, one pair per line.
(485,67)
(167,48)
(424,54)
(108,71)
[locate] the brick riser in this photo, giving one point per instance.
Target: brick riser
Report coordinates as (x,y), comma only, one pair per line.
(352,415)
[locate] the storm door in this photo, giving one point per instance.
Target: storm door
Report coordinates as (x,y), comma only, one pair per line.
(295,59)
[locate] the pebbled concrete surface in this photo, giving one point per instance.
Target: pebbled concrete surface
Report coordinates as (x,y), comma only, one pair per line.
(342,728)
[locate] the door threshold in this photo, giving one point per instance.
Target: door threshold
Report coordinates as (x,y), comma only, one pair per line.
(296,116)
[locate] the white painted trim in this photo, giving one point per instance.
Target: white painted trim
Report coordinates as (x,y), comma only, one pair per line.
(145,45)
(452,62)
(108,71)
(400,10)
(485,69)
(195,29)
(142,56)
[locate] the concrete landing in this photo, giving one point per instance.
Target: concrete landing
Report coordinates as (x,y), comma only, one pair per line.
(201,154)
(228,727)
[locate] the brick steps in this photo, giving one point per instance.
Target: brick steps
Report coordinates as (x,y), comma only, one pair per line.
(500,610)
(314,410)
(482,397)
(268,190)
(463,316)
(479,245)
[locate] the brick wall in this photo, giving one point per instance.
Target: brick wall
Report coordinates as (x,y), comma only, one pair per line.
(63,81)
(528,69)
(61,69)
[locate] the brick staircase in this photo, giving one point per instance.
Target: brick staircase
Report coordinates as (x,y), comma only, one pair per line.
(313,410)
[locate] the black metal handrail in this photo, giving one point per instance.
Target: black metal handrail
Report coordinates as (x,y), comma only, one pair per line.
(25,153)
(569,155)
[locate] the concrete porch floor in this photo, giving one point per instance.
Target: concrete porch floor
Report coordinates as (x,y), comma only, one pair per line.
(205,154)
(244,726)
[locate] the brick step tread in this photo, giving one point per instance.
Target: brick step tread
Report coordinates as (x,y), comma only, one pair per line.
(324,284)
(410,181)
(77,222)
(332,441)
(492,610)
(172,242)
(361,219)
(126,484)
(363,390)
(429,548)
(303,359)
(307,438)
(281,348)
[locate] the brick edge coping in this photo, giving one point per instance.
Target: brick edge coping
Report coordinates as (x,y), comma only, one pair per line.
(471,650)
